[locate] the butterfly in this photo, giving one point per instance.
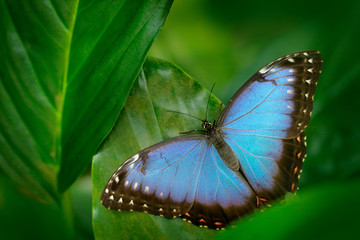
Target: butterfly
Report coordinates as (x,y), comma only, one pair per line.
(251,156)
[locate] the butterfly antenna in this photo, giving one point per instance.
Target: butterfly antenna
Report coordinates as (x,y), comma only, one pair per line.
(207,105)
(185,114)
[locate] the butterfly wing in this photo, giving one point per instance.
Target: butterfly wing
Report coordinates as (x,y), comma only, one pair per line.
(264,122)
(160,179)
(222,195)
(182,176)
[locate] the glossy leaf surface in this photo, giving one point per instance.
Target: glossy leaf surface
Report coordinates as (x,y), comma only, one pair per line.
(66,68)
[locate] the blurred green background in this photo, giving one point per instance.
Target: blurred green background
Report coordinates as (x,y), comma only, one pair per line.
(225,42)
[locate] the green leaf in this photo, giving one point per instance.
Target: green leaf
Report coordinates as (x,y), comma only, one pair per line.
(33,39)
(146,120)
(326,211)
(104,61)
(66,68)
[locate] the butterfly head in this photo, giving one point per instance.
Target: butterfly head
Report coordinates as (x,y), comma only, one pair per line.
(207,125)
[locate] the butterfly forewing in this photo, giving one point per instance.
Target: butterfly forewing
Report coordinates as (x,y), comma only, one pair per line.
(160,180)
(285,87)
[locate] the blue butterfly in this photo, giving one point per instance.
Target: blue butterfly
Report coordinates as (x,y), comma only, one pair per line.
(251,156)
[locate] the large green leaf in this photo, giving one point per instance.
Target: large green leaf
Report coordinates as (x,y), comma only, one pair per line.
(34,38)
(327,211)
(110,42)
(66,68)
(146,120)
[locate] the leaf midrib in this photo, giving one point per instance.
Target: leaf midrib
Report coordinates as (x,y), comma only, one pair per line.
(60,112)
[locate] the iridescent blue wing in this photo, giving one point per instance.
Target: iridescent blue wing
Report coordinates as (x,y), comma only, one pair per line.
(182,176)
(264,122)
(160,179)
(222,195)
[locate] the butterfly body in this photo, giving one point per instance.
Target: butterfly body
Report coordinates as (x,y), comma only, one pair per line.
(226,153)
(253,155)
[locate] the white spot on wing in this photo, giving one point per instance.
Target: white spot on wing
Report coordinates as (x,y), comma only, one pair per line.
(111,198)
(290,79)
(135,185)
(145,206)
(126,183)
(291,70)
(117,179)
(146,188)
(133,159)
(310,70)
(161,194)
(308,81)
(290,91)
(291,60)
(310,60)
(306,54)
(263,70)
(131,202)
(306,95)
(120,200)
(136,157)
(107,190)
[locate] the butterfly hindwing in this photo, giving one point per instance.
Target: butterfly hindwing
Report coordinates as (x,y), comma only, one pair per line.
(264,122)
(222,195)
